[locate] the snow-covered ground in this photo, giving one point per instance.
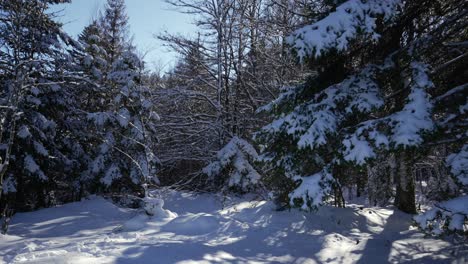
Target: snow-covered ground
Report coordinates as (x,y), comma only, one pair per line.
(202,231)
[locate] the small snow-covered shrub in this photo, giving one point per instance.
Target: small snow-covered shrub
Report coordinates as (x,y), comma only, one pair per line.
(234,166)
(154,207)
(446,217)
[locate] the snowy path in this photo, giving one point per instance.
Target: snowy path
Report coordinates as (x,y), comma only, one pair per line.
(203,232)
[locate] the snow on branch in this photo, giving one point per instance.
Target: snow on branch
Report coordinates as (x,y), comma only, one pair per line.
(235,160)
(406,125)
(456,90)
(336,30)
(99,118)
(287,94)
(32,167)
(312,122)
(458,163)
(357,149)
(415,117)
(312,190)
(450,215)
(112,173)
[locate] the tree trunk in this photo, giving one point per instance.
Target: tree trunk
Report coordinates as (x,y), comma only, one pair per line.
(405,193)
(4,163)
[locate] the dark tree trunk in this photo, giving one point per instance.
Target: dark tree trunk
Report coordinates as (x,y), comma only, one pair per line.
(405,193)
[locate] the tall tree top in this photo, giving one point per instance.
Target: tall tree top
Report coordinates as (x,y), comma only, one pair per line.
(115,26)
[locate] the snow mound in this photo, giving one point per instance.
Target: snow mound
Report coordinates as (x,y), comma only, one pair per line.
(154,212)
(193,224)
(134,224)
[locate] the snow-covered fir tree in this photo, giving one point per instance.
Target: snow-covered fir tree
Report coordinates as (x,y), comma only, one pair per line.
(74,120)
(120,111)
(38,117)
(371,103)
(126,130)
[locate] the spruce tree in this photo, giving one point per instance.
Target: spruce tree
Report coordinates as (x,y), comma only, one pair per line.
(371,101)
(39,119)
(120,111)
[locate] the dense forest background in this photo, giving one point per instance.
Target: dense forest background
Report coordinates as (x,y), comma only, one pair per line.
(304,102)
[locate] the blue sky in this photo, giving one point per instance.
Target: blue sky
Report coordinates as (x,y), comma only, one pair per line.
(147,17)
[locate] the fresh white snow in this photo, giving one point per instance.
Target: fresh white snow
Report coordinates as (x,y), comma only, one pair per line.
(200,229)
(458,162)
(350,20)
(312,189)
(240,155)
(451,215)
(31,166)
(23,132)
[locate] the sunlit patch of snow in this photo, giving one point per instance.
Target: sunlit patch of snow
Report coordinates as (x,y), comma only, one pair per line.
(206,230)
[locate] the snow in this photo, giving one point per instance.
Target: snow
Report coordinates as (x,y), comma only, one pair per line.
(342,26)
(458,163)
(420,77)
(123,117)
(314,121)
(154,116)
(416,114)
(35,91)
(463,108)
(193,224)
(31,166)
(452,91)
(414,118)
(40,149)
(310,122)
(288,93)
(239,230)
(407,125)
(99,118)
(312,190)
(324,122)
(88,60)
(451,215)
(97,165)
(357,150)
(33,100)
(137,130)
(9,185)
(236,157)
(42,122)
(153,211)
(112,173)
(23,132)
(154,208)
